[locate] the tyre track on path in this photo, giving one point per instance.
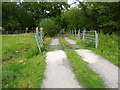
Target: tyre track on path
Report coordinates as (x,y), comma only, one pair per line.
(58,72)
(107,70)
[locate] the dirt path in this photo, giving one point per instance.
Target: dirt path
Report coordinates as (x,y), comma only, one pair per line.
(70,41)
(58,72)
(107,70)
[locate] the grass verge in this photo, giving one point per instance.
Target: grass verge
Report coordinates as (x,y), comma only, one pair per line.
(23,66)
(62,41)
(85,76)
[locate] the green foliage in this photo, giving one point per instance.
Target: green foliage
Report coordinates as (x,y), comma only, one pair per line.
(49,26)
(28,14)
(100,16)
(22,66)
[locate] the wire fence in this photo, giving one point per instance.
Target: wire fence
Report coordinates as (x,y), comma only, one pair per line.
(18,31)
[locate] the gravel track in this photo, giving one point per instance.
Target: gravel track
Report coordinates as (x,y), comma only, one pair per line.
(58,72)
(55,41)
(107,70)
(70,41)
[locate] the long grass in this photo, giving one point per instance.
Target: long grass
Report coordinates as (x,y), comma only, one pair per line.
(23,65)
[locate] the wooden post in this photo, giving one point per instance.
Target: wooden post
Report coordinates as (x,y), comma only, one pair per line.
(75,32)
(6,32)
(36,29)
(15,31)
(79,33)
(72,32)
(96,38)
(83,35)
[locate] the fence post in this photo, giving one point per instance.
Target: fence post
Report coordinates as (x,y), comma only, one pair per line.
(75,32)
(96,38)
(41,36)
(15,31)
(79,33)
(37,36)
(6,32)
(72,32)
(36,29)
(83,35)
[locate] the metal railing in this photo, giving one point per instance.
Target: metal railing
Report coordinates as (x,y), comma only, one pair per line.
(90,36)
(93,37)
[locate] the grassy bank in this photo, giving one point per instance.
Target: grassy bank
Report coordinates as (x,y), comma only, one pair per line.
(107,46)
(23,65)
(84,75)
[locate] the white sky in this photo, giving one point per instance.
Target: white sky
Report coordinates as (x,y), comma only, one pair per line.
(71,1)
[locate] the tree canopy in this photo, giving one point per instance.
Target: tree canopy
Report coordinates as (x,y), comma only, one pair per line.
(101,16)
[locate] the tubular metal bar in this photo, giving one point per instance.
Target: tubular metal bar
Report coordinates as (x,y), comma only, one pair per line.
(90,38)
(88,31)
(89,35)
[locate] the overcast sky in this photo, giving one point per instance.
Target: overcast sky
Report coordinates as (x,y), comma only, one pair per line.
(71,1)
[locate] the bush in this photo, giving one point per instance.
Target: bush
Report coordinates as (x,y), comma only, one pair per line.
(49,26)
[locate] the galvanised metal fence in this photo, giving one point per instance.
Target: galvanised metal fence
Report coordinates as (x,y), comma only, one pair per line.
(89,36)
(39,38)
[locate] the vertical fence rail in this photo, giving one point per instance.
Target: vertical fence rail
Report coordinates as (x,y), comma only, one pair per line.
(96,37)
(83,35)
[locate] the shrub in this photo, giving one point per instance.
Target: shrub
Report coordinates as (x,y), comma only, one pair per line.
(49,26)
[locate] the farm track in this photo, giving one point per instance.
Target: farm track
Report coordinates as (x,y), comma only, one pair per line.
(106,69)
(58,72)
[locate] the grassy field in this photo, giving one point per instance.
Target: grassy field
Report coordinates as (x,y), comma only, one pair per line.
(108,46)
(23,65)
(84,75)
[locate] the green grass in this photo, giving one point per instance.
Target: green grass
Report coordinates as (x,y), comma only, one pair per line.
(62,41)
(23,65)
(85,76)
(108,47)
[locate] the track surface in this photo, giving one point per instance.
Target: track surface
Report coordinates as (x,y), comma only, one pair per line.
(58,72)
